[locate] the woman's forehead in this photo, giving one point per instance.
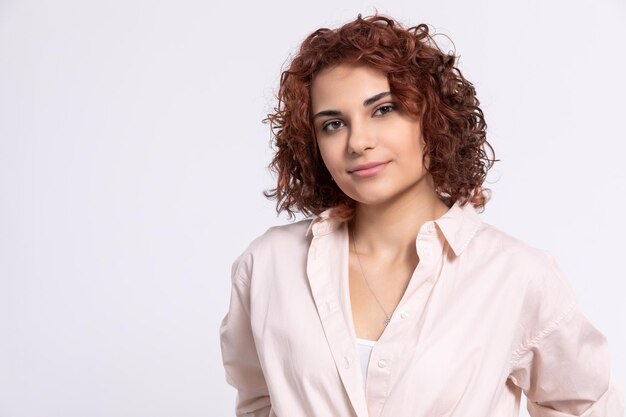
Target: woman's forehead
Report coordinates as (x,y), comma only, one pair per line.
(346,83)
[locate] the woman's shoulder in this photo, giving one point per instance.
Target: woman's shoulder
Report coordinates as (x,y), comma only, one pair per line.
(289,235)
(493,241)
(490,234)
(284,242)
(535,268)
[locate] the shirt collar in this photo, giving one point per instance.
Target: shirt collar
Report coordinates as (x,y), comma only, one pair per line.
(458,225)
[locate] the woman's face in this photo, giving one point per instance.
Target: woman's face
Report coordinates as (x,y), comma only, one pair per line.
(357,121)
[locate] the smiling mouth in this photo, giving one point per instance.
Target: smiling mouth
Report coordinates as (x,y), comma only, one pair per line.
(367,166)
(369,171)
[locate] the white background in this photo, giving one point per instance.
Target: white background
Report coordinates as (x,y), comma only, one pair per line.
(133,157)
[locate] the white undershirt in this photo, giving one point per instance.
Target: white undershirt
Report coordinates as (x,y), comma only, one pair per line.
(365,350)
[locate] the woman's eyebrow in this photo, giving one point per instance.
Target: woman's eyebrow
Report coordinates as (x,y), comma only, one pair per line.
(366,103)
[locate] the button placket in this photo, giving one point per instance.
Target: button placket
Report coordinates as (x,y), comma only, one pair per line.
(384,354)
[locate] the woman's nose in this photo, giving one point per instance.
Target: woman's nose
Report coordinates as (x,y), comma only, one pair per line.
(360,137)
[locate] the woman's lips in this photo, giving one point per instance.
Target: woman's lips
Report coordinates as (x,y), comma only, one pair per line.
(368,172)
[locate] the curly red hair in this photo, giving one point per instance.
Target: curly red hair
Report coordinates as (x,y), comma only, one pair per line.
(426,83)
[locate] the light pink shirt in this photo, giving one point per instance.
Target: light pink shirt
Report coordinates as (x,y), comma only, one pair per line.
(484,317)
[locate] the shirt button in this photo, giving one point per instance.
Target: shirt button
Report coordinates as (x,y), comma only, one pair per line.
(404,315)
(382,363)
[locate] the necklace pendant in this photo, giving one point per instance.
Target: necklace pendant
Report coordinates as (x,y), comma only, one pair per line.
(386,322)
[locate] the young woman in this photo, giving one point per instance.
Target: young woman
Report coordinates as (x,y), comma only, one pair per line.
(396,299)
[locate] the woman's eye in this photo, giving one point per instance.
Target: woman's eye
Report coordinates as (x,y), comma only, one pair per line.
(333,123)
(388,108)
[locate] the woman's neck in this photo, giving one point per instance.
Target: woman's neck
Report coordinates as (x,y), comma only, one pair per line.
(388,232)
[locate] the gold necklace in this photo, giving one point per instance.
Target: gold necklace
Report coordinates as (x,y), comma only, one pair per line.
(388,317)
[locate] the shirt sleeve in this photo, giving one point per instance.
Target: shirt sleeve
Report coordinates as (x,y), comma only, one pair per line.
(239,354)
(564,367)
